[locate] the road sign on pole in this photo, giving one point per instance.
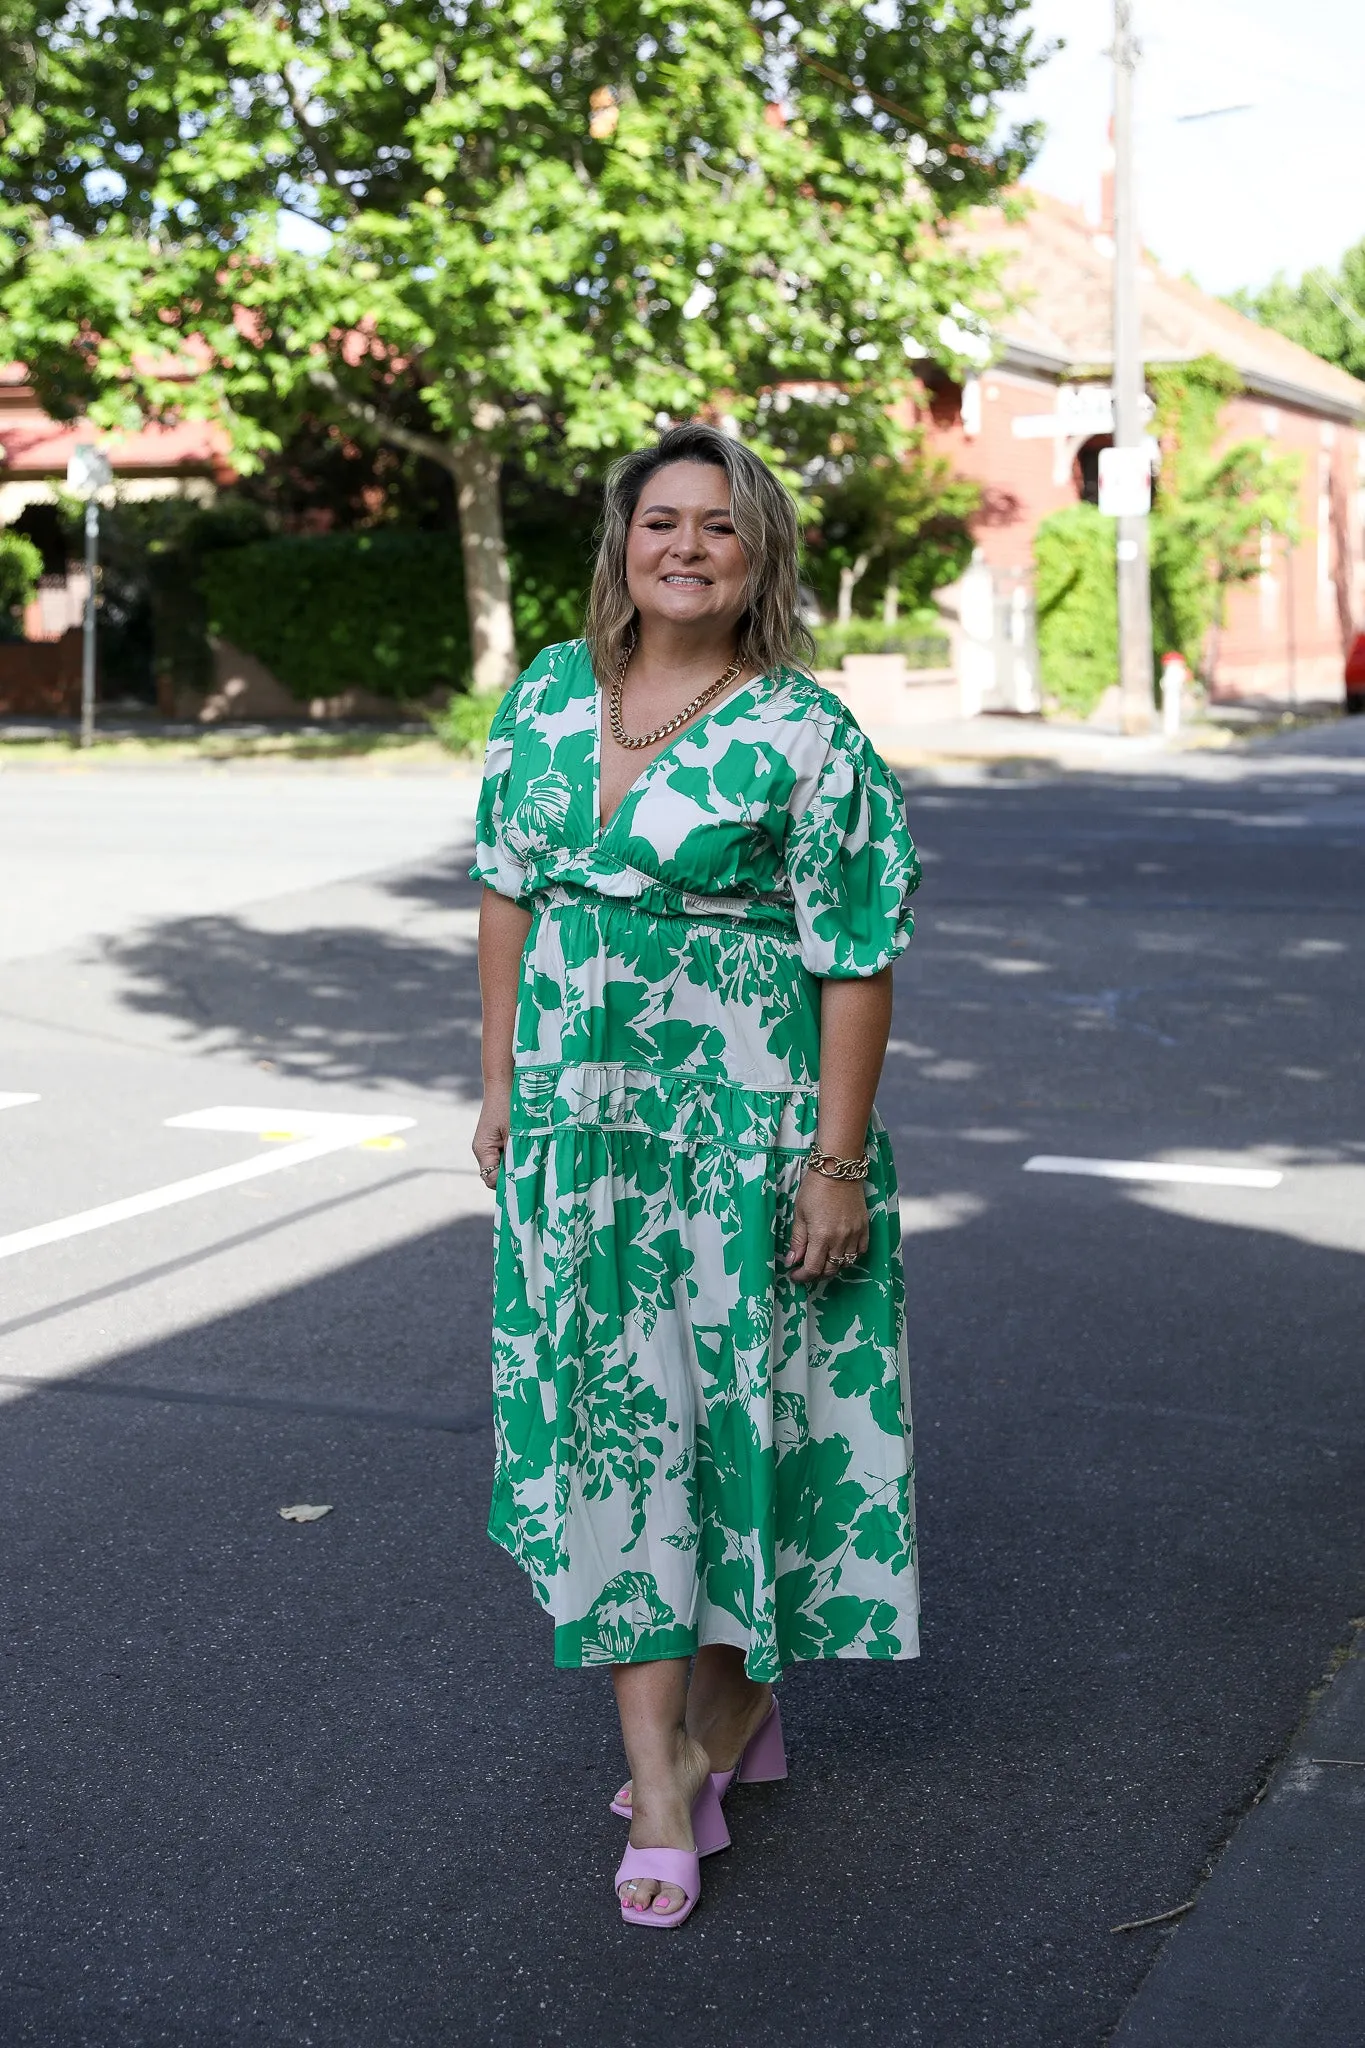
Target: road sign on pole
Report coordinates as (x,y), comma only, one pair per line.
(1125,483)
(88,473)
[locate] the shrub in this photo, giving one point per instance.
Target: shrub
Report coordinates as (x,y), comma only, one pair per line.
(462,723)
(21,565)
(332,612)
(1075,574)
(920,638)
(381,611)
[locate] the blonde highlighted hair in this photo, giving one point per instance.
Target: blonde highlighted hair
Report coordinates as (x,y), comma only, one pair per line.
(771,633)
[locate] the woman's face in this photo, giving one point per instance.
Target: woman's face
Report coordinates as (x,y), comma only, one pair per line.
(684,563)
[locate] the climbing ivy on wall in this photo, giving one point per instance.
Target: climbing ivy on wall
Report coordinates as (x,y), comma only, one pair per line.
(1213,507)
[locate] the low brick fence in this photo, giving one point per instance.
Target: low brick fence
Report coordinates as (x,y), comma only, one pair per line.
(41,678)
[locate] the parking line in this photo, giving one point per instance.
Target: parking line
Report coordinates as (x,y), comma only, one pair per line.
(17,1101)
(1157,1169)
(340,1133)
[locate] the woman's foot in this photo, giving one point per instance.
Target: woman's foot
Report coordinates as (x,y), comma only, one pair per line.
(725,1710)
(662,1819)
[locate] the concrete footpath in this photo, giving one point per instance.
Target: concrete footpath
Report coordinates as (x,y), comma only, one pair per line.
(1273,1953)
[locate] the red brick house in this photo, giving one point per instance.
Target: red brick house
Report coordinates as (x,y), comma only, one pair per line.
(1287,632)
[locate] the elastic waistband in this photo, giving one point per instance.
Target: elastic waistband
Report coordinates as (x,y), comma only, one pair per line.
(756,915)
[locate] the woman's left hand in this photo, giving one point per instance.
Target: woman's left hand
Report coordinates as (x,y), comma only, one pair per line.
(830,1228)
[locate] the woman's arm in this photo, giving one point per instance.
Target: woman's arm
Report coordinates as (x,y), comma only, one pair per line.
(503,926)
(831,1215)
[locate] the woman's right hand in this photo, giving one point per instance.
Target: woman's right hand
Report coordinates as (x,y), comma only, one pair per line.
(490,1133)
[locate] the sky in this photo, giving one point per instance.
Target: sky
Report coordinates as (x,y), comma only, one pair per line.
(1231,201)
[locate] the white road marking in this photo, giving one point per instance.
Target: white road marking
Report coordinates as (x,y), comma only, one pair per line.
(293,1123)
(938,1212)
(1157,1169)
(339,1133)
(17,1101)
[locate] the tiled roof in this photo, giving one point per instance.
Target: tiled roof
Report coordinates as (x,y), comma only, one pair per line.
(1060,269)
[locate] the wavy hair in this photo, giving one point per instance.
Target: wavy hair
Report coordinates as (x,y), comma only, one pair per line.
(771,632)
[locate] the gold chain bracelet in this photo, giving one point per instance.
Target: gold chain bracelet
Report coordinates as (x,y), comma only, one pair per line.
(836,1169)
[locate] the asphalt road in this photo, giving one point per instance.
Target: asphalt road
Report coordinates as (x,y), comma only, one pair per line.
(319,1783)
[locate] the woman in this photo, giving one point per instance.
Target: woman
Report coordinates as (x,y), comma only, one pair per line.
(697,876)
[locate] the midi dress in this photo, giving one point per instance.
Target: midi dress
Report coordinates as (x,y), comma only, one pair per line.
(690,1446)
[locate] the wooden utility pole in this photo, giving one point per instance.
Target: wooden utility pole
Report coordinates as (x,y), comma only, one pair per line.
(1134,576)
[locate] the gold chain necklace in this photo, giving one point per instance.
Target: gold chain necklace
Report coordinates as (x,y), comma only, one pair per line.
(661,732)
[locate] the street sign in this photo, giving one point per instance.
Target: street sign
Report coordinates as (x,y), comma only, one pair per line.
(89,475)
(1125,482)
(1082,410)
(88,471)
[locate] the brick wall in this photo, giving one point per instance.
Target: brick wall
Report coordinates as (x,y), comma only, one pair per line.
(1018,477)
(41,678)
(1287,632)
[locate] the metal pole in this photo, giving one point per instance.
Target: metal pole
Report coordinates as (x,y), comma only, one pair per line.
(1134,584)
(92,549)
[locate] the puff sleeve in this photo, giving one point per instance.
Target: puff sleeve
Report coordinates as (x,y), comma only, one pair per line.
(852,864)
(494,863)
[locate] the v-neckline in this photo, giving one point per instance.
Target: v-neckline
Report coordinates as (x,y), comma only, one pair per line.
(695,725)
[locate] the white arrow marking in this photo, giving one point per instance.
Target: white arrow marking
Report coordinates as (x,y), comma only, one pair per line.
(17,1101)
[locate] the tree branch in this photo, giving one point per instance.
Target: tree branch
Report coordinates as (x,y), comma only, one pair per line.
(318,148)
(390,430)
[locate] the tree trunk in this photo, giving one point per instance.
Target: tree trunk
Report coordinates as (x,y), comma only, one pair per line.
(488,591)
(891,602)
(849,579)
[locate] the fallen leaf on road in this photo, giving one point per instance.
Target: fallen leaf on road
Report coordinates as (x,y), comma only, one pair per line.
(305,1513)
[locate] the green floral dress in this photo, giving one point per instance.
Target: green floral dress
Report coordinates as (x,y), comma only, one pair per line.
(692,1447)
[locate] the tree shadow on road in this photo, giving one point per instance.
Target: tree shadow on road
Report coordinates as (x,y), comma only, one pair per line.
(321,1782)
(336,999)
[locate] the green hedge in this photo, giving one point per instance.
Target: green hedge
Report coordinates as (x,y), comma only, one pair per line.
(381,611)
(332,612)
(1077,598)
(920,638)
(20,567)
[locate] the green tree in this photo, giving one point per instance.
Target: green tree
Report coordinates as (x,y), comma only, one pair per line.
(475,229)
(1324,312)
(903,515)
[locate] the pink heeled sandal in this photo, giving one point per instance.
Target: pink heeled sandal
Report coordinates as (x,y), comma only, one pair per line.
(678,1867)
(763,1761)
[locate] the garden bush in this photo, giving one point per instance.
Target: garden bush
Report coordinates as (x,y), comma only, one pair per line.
(380,611)
(20,567)
(1075,582)
(463,721)
(919,637)
(331,612)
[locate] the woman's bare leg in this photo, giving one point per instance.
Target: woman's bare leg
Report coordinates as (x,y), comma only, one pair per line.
(667,1766)
(724,1708)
